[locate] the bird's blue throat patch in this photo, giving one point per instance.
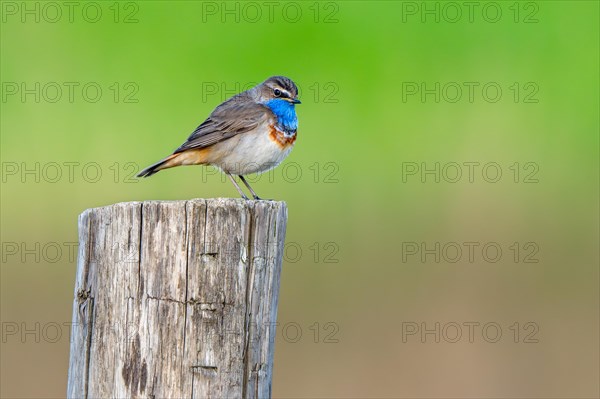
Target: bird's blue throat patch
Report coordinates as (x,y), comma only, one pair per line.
(285,113)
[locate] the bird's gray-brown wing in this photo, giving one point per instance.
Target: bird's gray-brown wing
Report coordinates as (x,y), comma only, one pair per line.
(231,118)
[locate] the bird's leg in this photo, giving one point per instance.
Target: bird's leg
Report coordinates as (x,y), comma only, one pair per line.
(237,186)
(256,197)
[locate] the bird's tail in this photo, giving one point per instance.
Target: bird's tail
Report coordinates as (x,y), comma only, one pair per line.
(155,168)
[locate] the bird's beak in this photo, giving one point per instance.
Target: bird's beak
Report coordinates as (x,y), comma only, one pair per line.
(295,101)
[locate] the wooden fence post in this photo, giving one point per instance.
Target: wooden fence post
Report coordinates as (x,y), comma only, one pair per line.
(176,299)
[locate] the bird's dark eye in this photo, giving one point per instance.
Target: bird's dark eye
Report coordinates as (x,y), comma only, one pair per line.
(277,92)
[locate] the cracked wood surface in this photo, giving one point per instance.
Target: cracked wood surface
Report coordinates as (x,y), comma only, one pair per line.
(176,299)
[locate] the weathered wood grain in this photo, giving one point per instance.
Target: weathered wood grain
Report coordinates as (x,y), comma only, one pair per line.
(177,299)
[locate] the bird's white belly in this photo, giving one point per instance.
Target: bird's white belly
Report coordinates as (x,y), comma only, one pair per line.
(251,152)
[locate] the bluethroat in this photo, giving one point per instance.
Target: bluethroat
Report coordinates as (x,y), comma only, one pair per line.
(252,132)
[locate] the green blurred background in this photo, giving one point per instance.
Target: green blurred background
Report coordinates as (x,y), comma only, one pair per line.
(355,213)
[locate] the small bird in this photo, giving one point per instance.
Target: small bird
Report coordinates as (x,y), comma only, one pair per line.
(252,132)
